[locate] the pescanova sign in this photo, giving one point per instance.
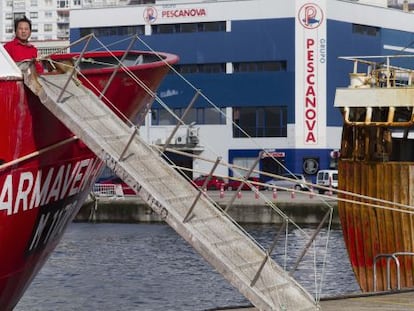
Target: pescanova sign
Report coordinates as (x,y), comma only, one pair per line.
(183,13)
(310,72)
(151,14)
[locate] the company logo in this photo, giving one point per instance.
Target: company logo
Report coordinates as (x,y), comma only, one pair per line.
(310,166)
(150,14)
(310,16)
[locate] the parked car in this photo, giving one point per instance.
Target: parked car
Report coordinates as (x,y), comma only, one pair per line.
(215,183)
(234,184)
(327,178)
(115,180)
(297,184)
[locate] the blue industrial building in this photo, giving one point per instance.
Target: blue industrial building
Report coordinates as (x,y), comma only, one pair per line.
(269,67)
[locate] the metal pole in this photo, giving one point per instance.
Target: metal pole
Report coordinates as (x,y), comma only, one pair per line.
(134,39)
(229,204)
(268,253)
(312,238)
(375,273)
(129,143)
(200,191)
(73,70)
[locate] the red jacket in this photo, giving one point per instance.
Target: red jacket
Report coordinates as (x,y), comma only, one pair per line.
(20,52)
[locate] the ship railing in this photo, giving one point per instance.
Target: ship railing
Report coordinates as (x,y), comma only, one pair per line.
(377,71)
(108,190)
(391,106)
(389,257)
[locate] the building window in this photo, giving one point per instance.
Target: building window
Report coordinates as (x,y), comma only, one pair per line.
(76,2)
(62,4)
(200,68)
(48,2)
(189,27)
(48,14)
(18,15)
(217,26)
(35,28)
(9,3)
(33,2)
(113,31)
(33,15)
(237,67)
(160,116)
(365,30)
(9,29)
(164,28)
(259,66)
(134,2)
(48,27)
(260,121)
(9,15)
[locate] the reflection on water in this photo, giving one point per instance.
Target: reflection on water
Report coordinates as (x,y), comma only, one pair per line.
(149,267)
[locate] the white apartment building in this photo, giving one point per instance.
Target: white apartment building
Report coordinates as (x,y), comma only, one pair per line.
(50,21)
(50,18)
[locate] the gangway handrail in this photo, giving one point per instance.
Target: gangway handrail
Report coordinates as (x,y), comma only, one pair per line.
(73,71)
(393,256)
(382,73)
(107,190)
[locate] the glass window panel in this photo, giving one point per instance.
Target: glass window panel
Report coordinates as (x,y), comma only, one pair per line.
(212,116)
(166,28)
(165,118)
(260,121)
(188,27)
(154,116)
(191,116)
(247,163)
(214,26)
(200,115)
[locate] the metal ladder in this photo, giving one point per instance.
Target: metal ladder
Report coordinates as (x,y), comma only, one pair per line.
(209,230)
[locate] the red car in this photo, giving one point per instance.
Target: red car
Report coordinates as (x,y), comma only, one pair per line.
(127,190)
(215,183)
(234,184)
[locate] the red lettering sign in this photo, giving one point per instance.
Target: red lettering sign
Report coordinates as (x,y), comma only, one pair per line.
(310,114)
(183,13)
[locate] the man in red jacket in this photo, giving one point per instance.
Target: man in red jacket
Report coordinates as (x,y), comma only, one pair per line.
(19,48)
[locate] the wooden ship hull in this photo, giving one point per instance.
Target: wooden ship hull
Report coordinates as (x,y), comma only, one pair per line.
(376,174)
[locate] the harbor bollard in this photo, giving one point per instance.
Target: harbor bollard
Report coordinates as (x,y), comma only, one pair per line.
(239,194)
(292,194)
(221,192)
(274,193)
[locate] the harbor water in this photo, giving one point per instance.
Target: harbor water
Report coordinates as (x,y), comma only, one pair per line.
(149,267)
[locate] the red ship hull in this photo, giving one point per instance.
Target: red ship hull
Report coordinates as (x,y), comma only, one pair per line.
(46,172)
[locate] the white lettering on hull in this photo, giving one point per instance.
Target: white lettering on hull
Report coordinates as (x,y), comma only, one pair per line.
(34,189)
(50,226)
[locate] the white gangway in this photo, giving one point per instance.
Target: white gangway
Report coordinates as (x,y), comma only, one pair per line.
(206,228)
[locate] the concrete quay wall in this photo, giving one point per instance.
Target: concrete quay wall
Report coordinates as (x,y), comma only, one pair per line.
(302,208)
